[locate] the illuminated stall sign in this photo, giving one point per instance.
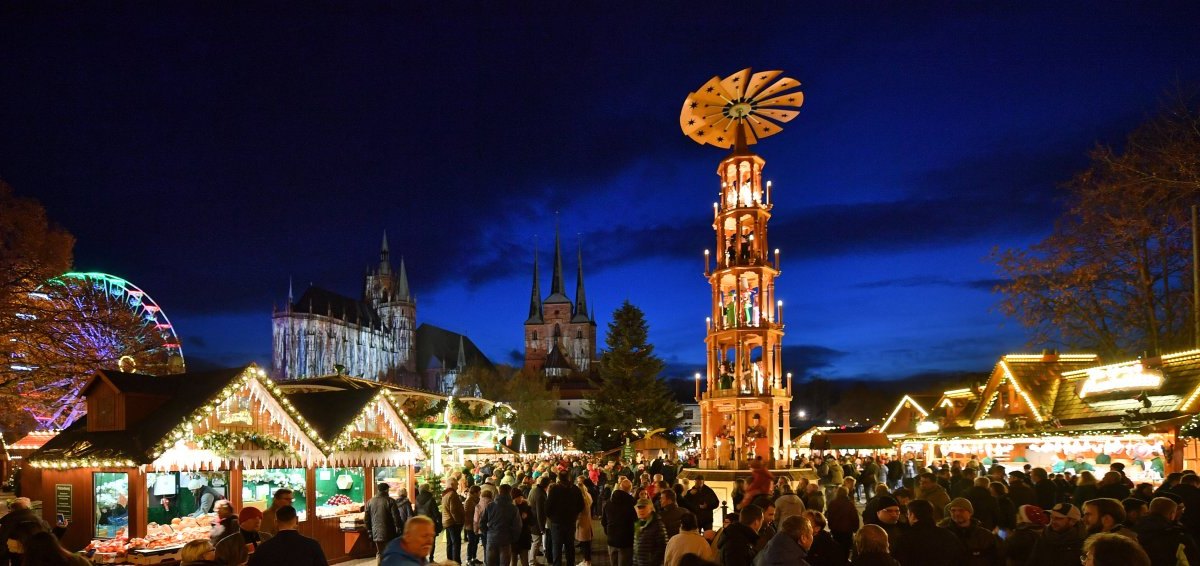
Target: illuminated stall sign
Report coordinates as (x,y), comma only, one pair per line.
(1114,379)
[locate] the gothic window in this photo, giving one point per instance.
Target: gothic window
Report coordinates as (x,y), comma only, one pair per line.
(535,336)
(579,335)
(557,331)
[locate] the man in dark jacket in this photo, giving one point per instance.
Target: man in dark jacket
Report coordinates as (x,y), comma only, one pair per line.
(650,536)
(288,546)
(564,503)
(1062,541)
(982,546)
(789,547)
(20,512)
(382,516)
(671,513)
(618,519)
(736,545)
(1019,490)
(1047,492)
(1161,536)
(923,535)
(986,508)
(537,503)
(427,505)
(502,523)
(703,501)
(1189,490)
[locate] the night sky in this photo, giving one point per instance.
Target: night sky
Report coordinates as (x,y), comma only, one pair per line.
(208,153)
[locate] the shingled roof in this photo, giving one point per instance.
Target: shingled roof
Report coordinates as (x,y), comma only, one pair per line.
(1177,395)
(188,392)
(1036,376)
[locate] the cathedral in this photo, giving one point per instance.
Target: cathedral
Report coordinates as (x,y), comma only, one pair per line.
(560,336)
(375,337)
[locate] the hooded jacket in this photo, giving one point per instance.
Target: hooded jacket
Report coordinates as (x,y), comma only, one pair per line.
(783,550)
(501,521)
(736,547)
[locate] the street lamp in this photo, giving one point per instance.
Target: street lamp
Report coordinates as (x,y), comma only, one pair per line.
(801,413)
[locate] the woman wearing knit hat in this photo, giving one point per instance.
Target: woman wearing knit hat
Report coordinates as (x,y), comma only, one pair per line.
(1031,521)
(235,549)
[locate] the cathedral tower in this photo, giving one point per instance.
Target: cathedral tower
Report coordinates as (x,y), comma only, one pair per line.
(560,335)
(387,291)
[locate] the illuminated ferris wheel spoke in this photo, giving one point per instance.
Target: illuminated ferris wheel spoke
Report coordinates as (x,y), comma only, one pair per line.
(91,306)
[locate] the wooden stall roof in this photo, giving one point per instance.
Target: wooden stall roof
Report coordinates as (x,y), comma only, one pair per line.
(1176,396)
(1037,375)
(331,412)
(850,440)
(187,393)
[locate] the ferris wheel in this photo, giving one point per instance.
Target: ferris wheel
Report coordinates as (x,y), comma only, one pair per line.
(91,321)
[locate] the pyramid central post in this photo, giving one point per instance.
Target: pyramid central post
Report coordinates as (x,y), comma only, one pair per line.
(744,398)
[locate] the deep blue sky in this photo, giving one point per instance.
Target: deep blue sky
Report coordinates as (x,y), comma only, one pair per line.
(208,152)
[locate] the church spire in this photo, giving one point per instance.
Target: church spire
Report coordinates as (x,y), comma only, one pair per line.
(402,292)
(581,311)
(462,355)
(385,265)
(535,299)
(557,290)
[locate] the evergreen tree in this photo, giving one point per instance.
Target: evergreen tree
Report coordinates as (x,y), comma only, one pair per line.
(630,396)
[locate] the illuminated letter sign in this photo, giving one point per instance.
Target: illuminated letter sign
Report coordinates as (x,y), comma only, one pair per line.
(1120,378)
(989,424)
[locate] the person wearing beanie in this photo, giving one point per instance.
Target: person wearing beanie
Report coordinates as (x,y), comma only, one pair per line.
(887,517)
(237,547)
(1031,521)
(1062,540)
(982,545)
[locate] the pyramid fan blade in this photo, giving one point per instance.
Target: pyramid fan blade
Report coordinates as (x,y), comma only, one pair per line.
(688,117)
(759,80)
(780,86)
(792,99)
(713,93)
(776,114)
(763,128)
(736,83)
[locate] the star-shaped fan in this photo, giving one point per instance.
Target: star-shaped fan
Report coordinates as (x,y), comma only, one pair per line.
(755,103)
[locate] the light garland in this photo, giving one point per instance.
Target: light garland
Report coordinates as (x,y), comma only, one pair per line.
(1028,400)
(900,405)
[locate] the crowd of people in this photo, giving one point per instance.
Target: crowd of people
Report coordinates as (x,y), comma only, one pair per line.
(546,510)
(250,536)
(859,511)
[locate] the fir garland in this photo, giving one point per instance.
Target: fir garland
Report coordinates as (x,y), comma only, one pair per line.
(463,411)
(428,412)
(225,444)
(365,444)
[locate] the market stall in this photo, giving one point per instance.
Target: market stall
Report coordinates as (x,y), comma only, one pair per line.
(1066,412)
(140,473)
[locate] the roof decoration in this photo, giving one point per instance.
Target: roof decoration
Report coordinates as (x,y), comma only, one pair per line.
(741,108)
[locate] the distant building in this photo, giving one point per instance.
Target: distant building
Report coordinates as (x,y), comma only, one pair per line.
(375,338)
(560,337)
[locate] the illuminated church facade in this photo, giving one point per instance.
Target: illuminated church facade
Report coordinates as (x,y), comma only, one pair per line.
(375,337)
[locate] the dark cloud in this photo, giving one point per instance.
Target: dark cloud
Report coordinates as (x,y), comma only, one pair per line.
(933,281)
